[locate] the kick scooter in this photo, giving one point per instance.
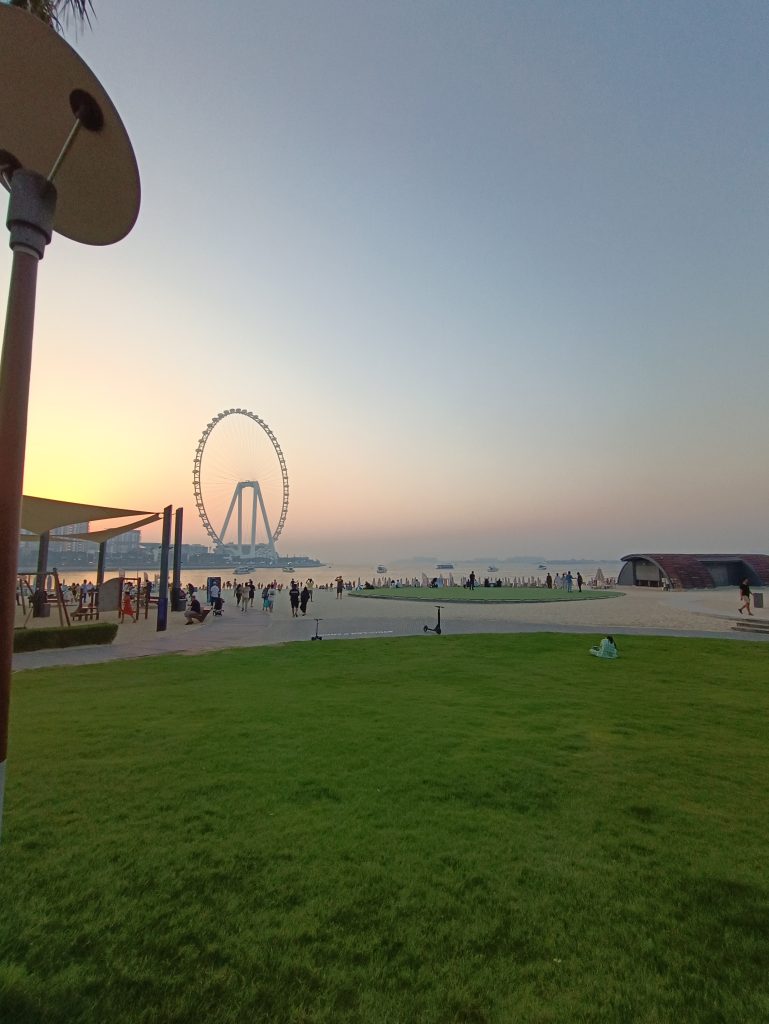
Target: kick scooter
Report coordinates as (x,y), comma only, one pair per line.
(435,629)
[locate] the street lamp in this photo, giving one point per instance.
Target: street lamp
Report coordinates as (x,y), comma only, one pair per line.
(68,164)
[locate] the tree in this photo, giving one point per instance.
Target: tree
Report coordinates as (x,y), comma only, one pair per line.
(56,12)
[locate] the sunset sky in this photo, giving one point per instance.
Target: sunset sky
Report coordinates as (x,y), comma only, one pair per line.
(496,274)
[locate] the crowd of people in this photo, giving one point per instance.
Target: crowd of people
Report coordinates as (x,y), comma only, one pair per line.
(244,595)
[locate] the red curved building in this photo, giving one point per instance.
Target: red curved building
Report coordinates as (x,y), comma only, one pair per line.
(693,572)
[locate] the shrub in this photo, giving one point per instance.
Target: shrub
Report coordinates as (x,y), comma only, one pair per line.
(74,636)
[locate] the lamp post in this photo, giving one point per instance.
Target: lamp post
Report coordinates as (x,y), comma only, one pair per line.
(67,162)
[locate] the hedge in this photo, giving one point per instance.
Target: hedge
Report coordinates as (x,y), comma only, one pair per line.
(74,636)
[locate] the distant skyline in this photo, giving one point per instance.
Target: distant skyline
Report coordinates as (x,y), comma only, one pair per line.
(495,275)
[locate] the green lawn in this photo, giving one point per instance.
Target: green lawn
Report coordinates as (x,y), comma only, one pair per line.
(432,829)
(484,595)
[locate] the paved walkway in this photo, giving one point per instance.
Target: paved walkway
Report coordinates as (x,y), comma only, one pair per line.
(637,611)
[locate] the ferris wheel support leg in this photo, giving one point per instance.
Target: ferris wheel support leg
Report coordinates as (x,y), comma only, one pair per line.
(266,521)
(253,521)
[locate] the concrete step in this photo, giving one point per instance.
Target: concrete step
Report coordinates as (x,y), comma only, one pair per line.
(751,625)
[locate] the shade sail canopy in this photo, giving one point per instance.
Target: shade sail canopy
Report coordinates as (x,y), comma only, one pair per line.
(99,536)
(39,515)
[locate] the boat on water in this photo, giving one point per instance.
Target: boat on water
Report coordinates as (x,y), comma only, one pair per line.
(542,567)
(444,565)
(244,570)
(381,568)
(289,568)
(493,568)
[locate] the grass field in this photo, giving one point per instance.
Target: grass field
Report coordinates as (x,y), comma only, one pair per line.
(483,595)
(456,829)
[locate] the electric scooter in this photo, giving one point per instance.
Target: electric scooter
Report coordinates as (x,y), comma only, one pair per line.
(435,629)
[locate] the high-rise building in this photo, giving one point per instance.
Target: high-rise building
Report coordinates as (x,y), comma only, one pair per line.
(57,546)
(125,543)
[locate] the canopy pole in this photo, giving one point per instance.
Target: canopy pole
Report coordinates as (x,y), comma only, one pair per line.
(178,602)
(163,586)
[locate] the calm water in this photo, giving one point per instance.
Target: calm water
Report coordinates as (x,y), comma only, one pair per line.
(355,571)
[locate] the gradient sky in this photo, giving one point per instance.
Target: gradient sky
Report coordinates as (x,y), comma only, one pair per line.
(495,273)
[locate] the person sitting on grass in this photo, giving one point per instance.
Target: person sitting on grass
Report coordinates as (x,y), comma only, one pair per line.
(606,649)
(194,613)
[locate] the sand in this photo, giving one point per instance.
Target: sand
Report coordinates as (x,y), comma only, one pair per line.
(698,613)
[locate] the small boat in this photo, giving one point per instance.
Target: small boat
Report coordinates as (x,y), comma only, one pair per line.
(492,568)
(289,568)
(381,568)
(542,567)
(444,565)
(243,570)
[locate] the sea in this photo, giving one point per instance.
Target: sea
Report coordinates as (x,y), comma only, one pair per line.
(356,572)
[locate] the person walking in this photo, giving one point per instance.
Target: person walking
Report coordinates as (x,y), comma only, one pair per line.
(549,581)
(293,596)
(271,595)
(580,581)
(304,597)
(238,593)
(745,597)
(339,587)
(472,580)
(265,599)
(309,586)
(251,593)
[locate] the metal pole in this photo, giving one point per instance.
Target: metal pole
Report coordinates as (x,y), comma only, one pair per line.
(176,586)
(100,572)
(163,585)
(42,568)
(30,222)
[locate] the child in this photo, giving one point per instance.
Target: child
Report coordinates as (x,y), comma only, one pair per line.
(128,608)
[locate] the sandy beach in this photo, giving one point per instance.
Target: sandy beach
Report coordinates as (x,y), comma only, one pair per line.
(637,610)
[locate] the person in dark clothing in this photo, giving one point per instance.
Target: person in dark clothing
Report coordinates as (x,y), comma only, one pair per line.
(745,597)
(293,596)
(194,613)
(304,597)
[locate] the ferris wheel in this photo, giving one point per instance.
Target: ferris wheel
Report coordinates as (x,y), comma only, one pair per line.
(240,482)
